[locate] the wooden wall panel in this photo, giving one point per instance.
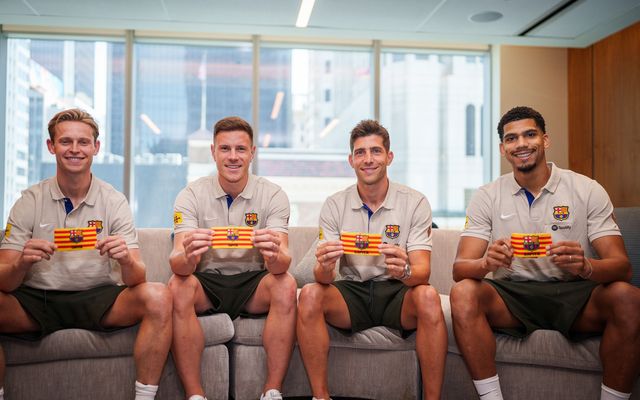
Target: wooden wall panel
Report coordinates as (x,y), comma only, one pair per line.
(616,115)
(580,107)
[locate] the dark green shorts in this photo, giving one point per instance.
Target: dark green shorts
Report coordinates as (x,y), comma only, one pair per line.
(230,293)
(54,310)
(374,303)
(545,305)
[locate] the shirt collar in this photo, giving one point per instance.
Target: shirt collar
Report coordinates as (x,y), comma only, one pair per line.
(550,186)
(90,198)
(247,192)
(356,202)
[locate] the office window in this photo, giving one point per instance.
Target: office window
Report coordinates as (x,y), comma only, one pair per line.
(180,92)
(44,77)
(423,104)
(304,139)
(470,130)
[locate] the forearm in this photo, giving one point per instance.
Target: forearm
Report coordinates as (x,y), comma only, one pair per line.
(11,277)
(419,276)
(322,275)
(280,265)
(133,273)
(180,264)
(607,270)
(469,269)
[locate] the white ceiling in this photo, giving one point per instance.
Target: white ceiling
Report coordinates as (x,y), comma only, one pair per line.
(579,24)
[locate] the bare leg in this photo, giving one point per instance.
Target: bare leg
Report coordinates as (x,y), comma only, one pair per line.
(188,337)
(475,308)
(613,308)
(421,310)
(317,305)
(149,303)
(277,295)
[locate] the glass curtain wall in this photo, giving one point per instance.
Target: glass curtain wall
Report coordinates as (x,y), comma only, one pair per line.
(435,105)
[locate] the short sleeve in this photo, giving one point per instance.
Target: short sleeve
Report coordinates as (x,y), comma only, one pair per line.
(20,223)
(420,231)
(329,221)
(600,221)
(278,212)
(478,220)
(122,224)
(185,211)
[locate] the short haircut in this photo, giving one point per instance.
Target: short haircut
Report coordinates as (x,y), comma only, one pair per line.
(73,114)
(369,127)
(229,124)
(519,113)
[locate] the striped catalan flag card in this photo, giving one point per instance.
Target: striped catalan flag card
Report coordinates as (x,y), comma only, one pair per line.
(530,245)
(74,239)
(365,244)
(231,237)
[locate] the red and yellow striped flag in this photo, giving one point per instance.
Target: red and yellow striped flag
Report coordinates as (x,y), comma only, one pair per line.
(361,243)
(73,239)
(530,245)
(231,237)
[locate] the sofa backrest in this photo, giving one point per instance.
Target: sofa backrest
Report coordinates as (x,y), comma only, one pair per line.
(628,219)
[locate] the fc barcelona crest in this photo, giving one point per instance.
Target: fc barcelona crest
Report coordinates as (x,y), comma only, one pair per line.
(531,242)
(232,234)
(392,231)
(96,223)
(251,219)
(561,213)
(76,236)
(362,241)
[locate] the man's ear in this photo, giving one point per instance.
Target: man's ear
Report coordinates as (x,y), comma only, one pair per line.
(351,160)
(213,151)
(50,146)
(390,155)
(97,147)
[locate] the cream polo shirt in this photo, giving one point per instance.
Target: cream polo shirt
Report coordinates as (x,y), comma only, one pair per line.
(203,204)
(41,209)
(403,219)
(570,207)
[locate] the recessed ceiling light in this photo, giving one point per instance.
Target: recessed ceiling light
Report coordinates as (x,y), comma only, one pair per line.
(306,6)
(485,16)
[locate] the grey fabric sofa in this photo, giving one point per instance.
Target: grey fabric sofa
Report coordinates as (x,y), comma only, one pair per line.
(374,364)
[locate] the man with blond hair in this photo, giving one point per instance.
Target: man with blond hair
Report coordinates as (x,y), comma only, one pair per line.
(101,287)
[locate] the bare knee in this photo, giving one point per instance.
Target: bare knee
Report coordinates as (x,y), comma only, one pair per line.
(310,301)
(427,302)
(283,291)
(182,289)
(464,299)
(624,302)
(157,300)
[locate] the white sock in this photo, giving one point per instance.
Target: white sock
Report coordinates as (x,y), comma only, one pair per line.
(197,397)
(489,389)
(145,392)
(606,393)
(1,393)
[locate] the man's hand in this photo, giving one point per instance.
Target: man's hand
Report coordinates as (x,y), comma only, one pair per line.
(268,243)
(328,253)
(35,250)
(396,258)
(499,255)
(570,257)
(196,243)
(115,247)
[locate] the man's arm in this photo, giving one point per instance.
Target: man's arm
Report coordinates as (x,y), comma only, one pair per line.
(472,262)
(419,262)
(188,248)
(15,264)
(132,267)
(612,266)
(274,247)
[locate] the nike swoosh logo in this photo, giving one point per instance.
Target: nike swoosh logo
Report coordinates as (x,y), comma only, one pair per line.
(42,226)
(502,216)
(210,218)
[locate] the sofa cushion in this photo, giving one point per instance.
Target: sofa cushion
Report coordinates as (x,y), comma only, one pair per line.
(78,343)
(543,347)
(248,331)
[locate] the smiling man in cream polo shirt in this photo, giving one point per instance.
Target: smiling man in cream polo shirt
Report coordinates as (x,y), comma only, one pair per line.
(576,285)
(374,216)
(102,286)
(235,280)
